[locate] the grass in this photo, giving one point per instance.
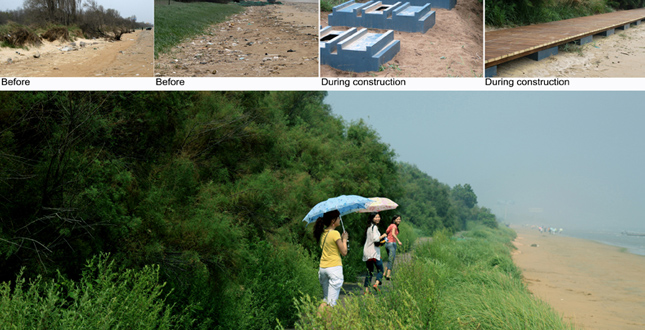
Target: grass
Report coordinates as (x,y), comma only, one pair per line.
(571,48)
(468,282)
(178,21)
(328,5)
(104,298)
(394,67)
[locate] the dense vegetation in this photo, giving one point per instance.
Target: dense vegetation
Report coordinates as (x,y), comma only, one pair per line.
(177,20)
(200,195)
(62,20)
(524,12)
(469,282)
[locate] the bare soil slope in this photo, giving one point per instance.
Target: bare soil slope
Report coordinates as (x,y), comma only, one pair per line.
(267,41)
(130,57)
(452,48)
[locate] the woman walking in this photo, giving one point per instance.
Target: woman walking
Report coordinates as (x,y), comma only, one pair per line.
(372,252)
(333,244)
(391,245)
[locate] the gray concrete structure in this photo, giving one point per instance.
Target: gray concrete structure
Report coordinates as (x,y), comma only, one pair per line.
(584,40)
(400,16)
(445,4)
(357,50)
(606,33)
(538,56)
(490,72)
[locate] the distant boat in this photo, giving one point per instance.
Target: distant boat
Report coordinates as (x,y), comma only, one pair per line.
(632,234)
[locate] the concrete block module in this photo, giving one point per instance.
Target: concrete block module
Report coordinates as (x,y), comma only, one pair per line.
(357,50)
(400,16)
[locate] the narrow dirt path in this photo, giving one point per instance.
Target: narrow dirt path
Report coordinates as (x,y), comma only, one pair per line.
(356,287)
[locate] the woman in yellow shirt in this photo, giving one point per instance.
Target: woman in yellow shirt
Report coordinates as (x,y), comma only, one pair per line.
(333,244)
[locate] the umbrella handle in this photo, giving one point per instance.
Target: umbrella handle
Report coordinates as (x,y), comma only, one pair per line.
(341,223)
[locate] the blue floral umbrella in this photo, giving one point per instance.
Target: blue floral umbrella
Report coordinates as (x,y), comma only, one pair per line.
(345,204)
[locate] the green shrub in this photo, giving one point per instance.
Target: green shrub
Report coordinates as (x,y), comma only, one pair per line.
(407,236)
(104,298)
(328,5)
(273,278)
(502,13)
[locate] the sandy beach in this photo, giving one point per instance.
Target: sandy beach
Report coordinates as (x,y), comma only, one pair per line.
(595,286)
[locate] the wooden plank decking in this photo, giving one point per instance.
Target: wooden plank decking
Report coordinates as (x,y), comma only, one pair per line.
(509,44)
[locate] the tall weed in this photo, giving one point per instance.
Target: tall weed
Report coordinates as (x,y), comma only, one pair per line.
(105,298)
(467,282)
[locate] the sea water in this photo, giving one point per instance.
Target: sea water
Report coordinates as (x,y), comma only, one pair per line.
(633,244)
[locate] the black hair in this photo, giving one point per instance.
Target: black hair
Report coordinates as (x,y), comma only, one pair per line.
(370,219)
(323,222)
(370,222)
(394,218)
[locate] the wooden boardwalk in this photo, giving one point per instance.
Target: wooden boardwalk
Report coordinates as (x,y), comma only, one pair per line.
(509,44)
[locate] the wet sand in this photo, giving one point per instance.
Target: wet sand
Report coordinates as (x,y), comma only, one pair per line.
(595,286)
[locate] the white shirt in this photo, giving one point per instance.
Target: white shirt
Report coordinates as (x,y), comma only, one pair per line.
(370,251)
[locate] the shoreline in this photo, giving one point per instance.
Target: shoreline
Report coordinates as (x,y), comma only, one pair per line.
(593,285)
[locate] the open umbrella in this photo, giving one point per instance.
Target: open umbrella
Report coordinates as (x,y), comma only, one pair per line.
(379,204)
(345,204)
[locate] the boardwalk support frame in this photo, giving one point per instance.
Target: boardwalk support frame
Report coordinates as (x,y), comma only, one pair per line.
(491,72)
(606,33)
(584,40)
(540,55)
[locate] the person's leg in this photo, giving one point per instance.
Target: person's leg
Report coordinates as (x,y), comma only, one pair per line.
(323,278)
(379,272)
(368,278)
(335,284)
(391,260)
(387,249)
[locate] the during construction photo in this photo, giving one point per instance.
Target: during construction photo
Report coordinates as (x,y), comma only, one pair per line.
(389,38)
(582,38)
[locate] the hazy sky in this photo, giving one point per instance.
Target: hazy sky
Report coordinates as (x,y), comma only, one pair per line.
(549,158)
(143,9)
